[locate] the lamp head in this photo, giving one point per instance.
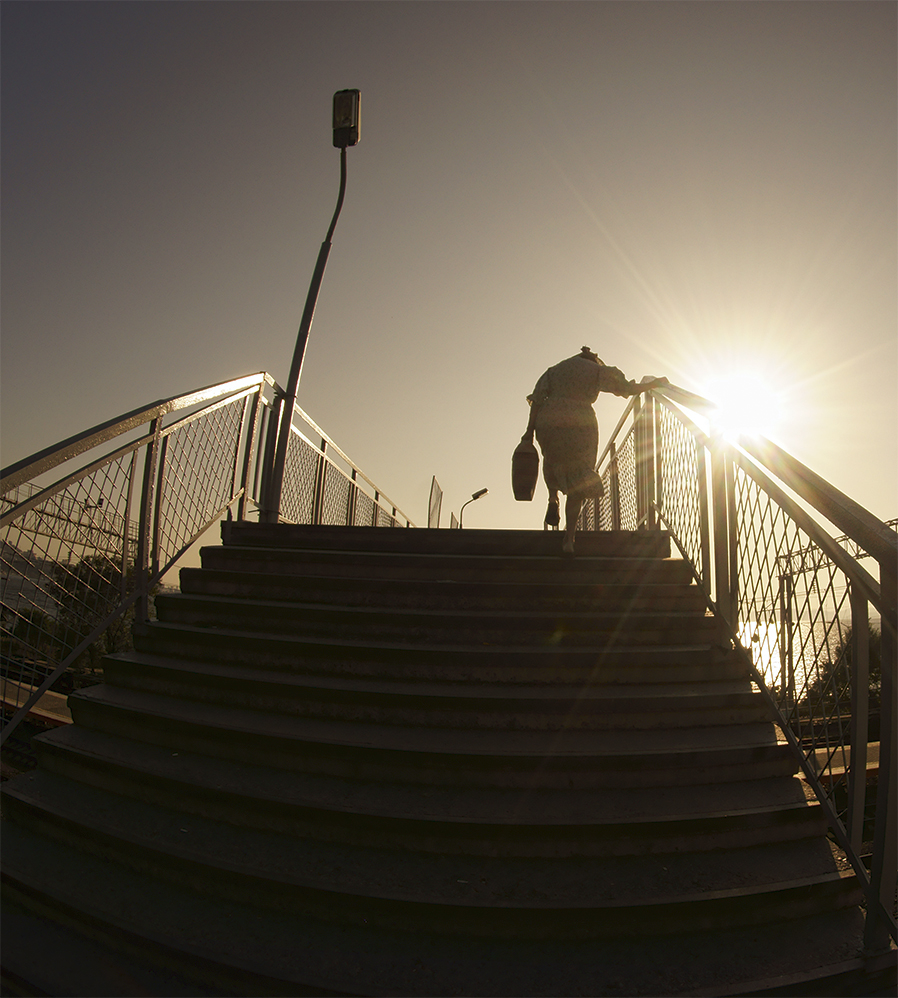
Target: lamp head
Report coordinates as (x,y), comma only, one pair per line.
(347,108)
(479,493)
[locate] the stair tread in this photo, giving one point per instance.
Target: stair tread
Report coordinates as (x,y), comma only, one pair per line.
(541,807)
(455,805)
(558,593)
(363,643)
(308,951)
(598,618)
(239,533)
(592,881)
(663,745)
(675,696)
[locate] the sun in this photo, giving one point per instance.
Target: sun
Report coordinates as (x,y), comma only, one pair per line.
(748,405)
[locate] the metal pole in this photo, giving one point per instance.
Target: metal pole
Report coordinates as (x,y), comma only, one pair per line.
(273,503)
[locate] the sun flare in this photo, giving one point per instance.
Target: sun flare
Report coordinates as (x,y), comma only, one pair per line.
(747,405)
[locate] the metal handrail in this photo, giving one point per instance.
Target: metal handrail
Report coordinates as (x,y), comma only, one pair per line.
(82,553)
(752,521)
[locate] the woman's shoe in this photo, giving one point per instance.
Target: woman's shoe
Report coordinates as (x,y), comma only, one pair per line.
(553,516)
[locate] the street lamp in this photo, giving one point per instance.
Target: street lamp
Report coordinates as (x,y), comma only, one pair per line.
(347,107)
(477,495)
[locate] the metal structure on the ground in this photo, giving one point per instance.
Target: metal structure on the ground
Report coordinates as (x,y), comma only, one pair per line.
(82,550)
(778,551)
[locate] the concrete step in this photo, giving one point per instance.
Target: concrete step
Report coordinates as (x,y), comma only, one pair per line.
(584,706)
(444,593)
(377,565)
(405,762)
(443,756)
(283,953)
(515,543)
(462,663)
(486,896)
(476,821)
(445,626)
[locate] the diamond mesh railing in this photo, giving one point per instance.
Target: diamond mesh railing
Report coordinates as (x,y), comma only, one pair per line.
(817,626)
(82,550)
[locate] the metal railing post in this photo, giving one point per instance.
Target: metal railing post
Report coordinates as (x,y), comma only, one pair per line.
(249,448)
(639,450)
(720,529)
(860,713)
(787,662)
(884,862)
(144,539)
(320,479)
(657,464)
(704,516)
(615,487)
(732,520)
(352,498)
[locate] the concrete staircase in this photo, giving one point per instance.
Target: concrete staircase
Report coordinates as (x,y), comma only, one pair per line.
(405,762)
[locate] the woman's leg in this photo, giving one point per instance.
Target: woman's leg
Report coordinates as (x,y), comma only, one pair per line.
(572,507)
(552,518)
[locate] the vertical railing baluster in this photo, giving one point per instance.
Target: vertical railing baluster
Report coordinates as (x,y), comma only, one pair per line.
(157,506)
(614,482)
(859,678)
(320,480)
(732,541)
(351,498)
(639,453)
(658,463)
(787,662)
(704,517)
(720,531)
(126,528)
(144,539)
(269,505)
(884,861)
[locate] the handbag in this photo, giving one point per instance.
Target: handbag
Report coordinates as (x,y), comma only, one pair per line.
(524,469)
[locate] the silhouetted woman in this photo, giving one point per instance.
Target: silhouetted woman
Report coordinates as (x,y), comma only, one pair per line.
(563,418)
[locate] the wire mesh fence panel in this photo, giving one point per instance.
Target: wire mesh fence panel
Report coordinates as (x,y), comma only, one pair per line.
(197,476)
(795,616)
(626,478)
(588,519)
(384,518)
(681,472)
(300,470)
(364,509)
(335,502)
(67,561)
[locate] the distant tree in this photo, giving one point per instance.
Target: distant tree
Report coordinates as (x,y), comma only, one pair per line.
(88,591)
(34,632)
(834,681)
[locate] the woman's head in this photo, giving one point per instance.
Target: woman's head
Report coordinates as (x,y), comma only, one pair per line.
(587,354)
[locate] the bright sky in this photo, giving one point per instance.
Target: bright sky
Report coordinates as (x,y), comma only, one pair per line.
(694,190)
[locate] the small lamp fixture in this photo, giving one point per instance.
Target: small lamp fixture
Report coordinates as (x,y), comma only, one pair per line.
(477,495)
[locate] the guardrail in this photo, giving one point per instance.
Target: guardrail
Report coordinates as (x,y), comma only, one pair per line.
(82,550)
(753,523)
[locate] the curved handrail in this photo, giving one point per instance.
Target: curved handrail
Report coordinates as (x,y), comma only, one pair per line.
(51,457)
(745,515)
(82,552)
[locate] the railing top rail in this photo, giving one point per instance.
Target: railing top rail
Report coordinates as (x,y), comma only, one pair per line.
(49,458)
(857,523)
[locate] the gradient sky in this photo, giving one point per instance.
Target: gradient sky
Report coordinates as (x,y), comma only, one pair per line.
(690,189)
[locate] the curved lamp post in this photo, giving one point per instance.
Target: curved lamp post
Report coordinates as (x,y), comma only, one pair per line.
(477,495)
(346,133)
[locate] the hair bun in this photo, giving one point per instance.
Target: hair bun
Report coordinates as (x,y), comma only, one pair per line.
(585,350)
